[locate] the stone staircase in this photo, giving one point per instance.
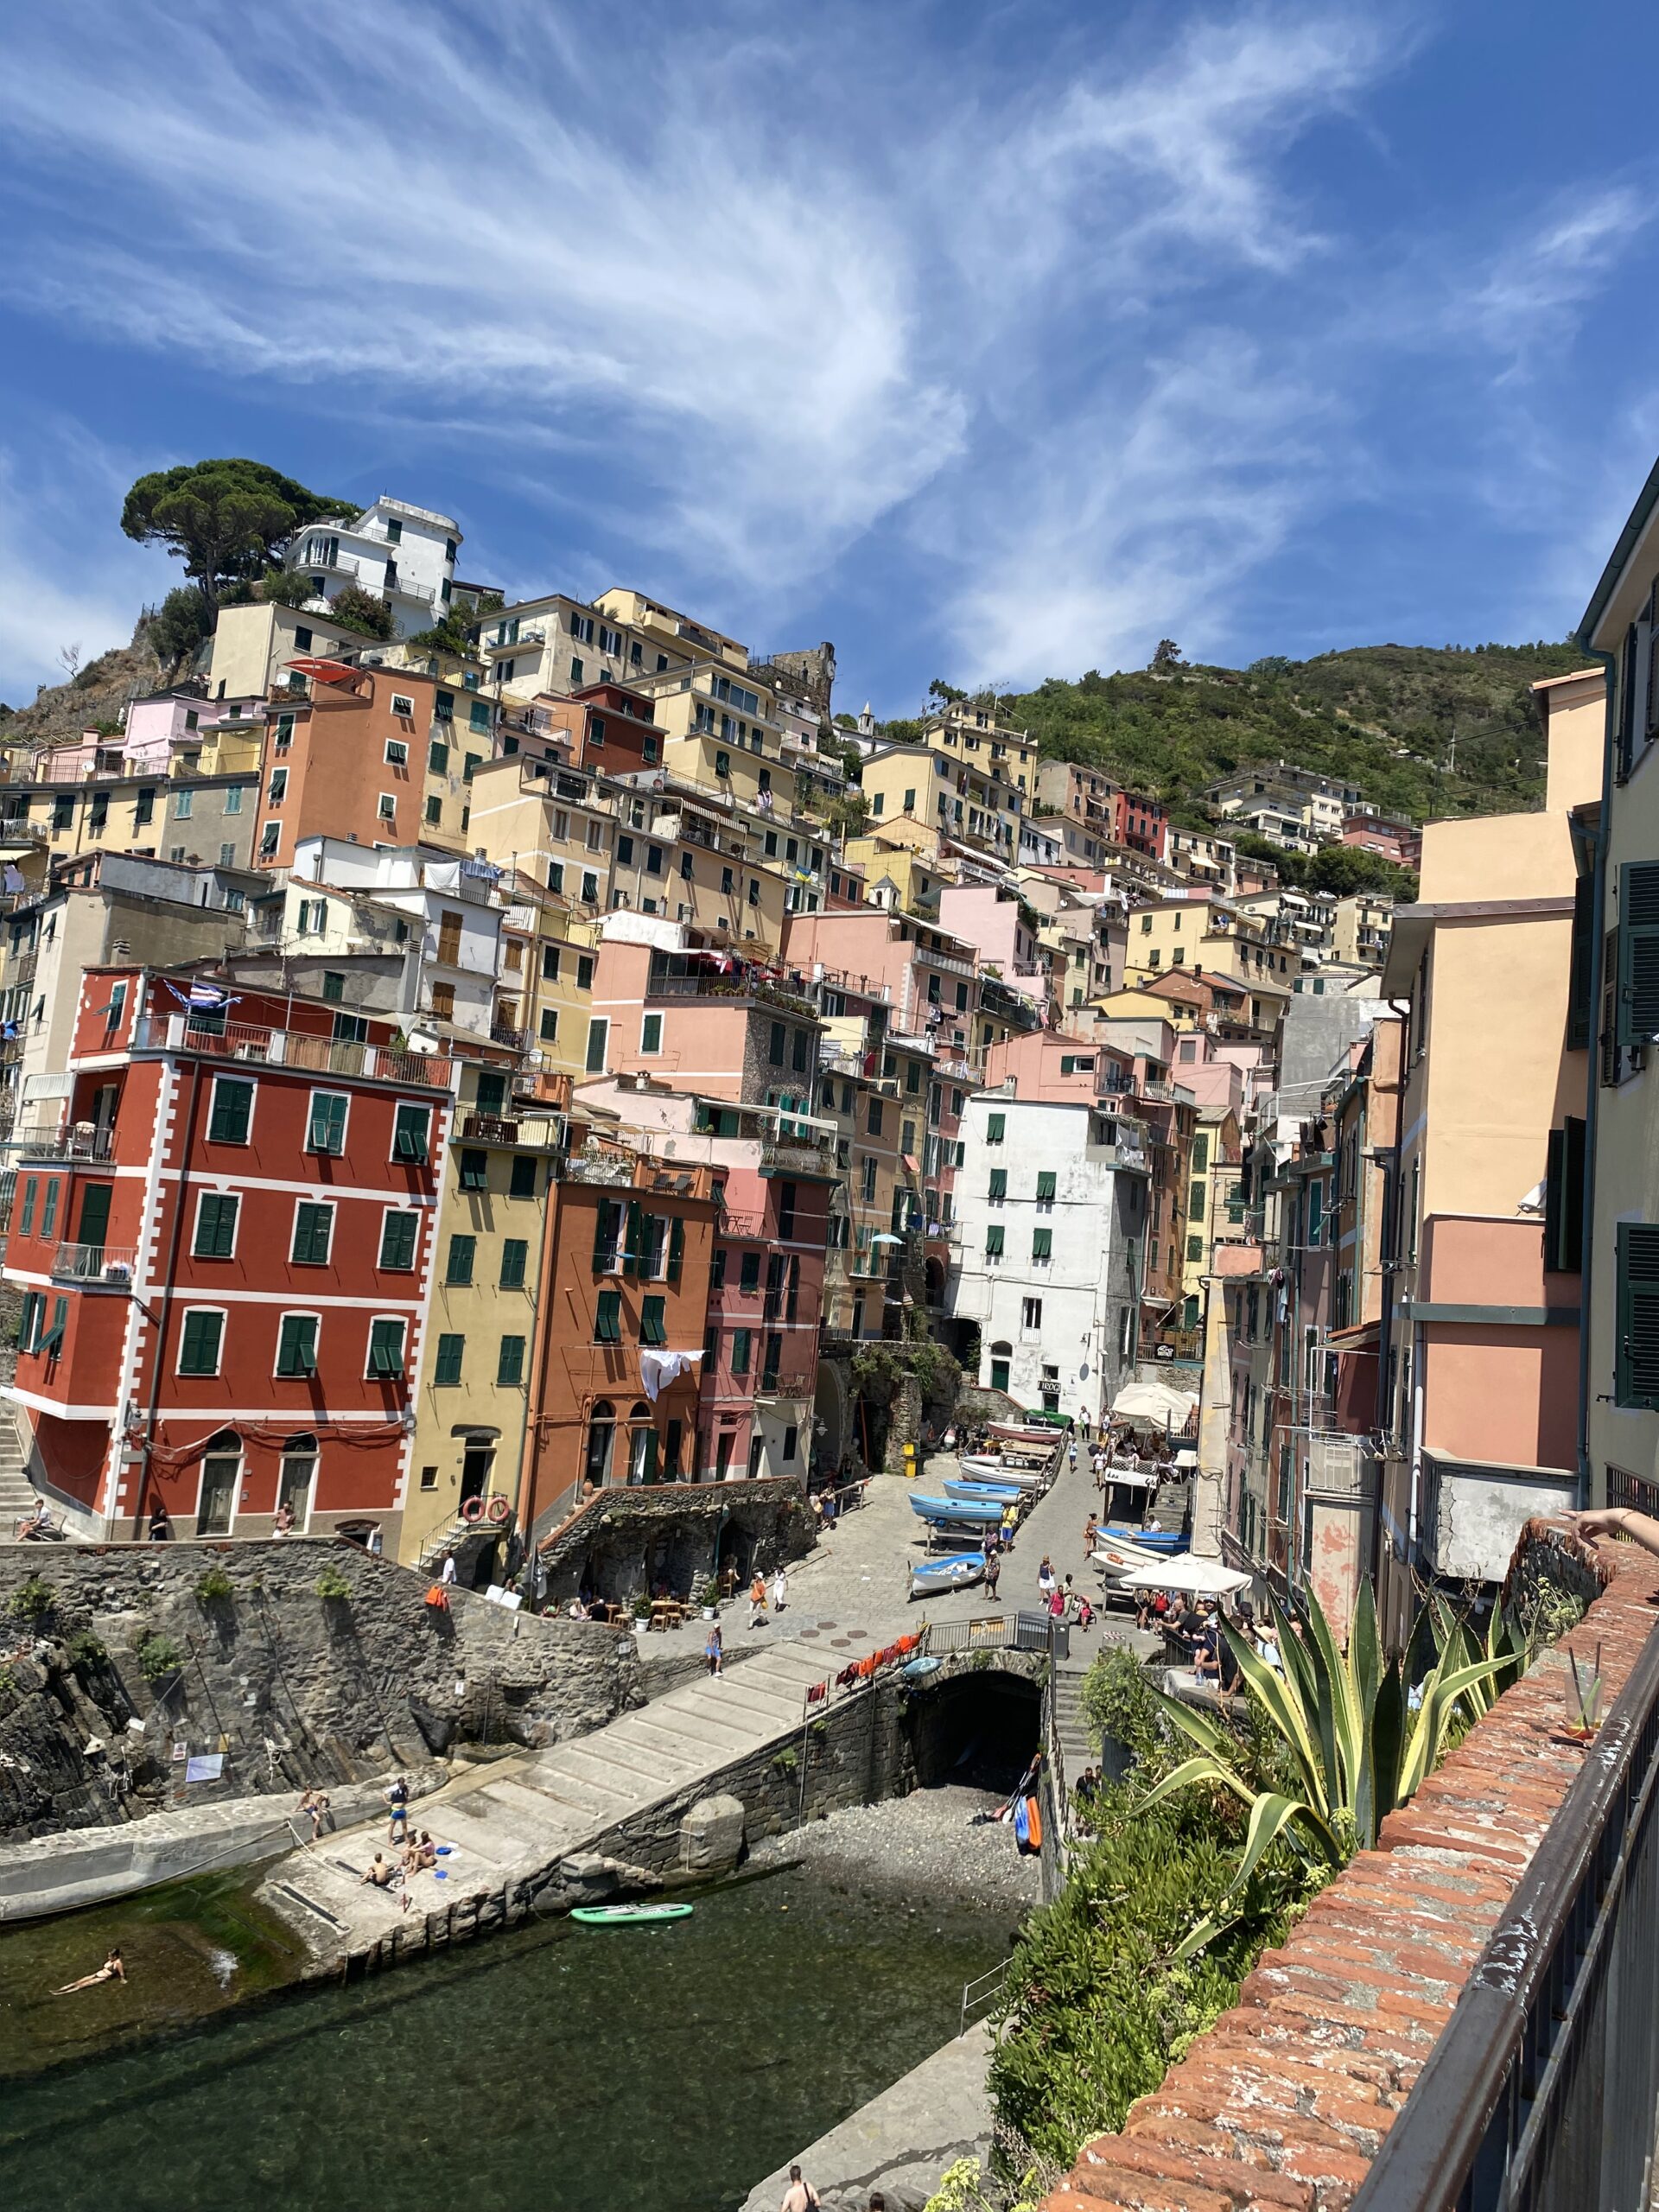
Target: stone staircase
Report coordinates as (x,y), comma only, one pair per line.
(1077,1747)
(18,1493)
(516,1819)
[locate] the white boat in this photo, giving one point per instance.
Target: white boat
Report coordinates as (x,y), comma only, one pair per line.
(937,1576)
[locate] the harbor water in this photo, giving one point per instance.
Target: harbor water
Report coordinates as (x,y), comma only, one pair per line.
(554,2068)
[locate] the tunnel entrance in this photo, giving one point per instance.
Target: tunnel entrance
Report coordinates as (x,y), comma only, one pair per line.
(981,1728)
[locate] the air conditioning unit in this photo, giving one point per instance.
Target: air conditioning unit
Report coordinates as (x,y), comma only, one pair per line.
(524,1086)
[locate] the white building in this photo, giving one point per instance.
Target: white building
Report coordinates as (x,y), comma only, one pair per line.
(1050,1213)
(402,554)
(438,913)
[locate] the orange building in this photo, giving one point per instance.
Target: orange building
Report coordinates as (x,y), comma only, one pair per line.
(628,1251)
(376,756)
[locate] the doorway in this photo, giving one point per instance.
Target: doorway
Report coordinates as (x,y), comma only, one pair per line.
(216,1505)
(94,1216)
(476,1462)
(294,1483)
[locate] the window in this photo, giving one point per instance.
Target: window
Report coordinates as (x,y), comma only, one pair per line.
(1046,1188)
(183,805)
(270,838)
(474,1171)
(231,1114)
(510,1363)
(296,1345)
(742,1342)
(26,1219)
(215,1236)
(999,1186)
(1031,1312)
(49,1215)
(411,1132)
(548,1025)
(522,1182)
(651,1033)
(515,1251)
(403,707)
(874,1121)
(722,765)
(459,1267)
(599,1030)
(314,1229)
(607,1318)
(397,753)
(653,1324)
(325,1130)
(589,888)
(995,1126)
(478,715)
(1636,1372)
(334,985)
(399,1231)
(201,1342)
(386,808)
(447,1366)
(993,1236)
(749,1273)
(1042,1243)
(386,1347)
(277,791)
(144,810)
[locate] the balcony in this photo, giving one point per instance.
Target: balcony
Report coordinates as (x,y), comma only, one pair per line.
(797,1155)
(76,1140)
(525,1133)
(103,1267)
(747,1228)
(525,640)
(508,1033)
(288,1048)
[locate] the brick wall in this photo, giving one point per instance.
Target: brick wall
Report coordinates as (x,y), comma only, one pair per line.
(1283,2103)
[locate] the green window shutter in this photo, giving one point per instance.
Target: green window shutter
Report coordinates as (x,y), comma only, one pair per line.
(1315,1205)
(999,1186)
(604,1235)
(474,1171)
(648,1455)
(1638,952)
(492,1094)
(515,1251)
(1564,1200)
(607,1318)
(296,1347)
(774,1360)
(636,1237)
(522,1183)
(653,1328)
(1195,1201)
(410,1132)
(215,1228)
(739,1351)
(327,1129)
(385,1348)
(994,1241)
(462,1252)
(447,1366)
(31,1191)
(397,1236)
(49,1211)
(1584,942)
(312,1229)
(1045,1184)
(1042,1243)
(199,1349)
(1195,1247)
(676,1247)
(1637,1367)
(510,1363)
(1201,1149)
(995,1126)
(232,1110)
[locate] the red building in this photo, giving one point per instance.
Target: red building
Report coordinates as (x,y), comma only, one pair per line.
(1395,838)
(224,1255)
(760,1357)
(1140,823)
(611,729)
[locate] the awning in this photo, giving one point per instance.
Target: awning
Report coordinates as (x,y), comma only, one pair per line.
(1155,1401)
(1361,1337)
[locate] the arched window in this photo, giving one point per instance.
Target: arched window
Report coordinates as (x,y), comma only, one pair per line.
(642,1444)
(601,1434)
(297,1481)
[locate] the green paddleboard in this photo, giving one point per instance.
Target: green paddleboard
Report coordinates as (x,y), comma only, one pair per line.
(616,1916)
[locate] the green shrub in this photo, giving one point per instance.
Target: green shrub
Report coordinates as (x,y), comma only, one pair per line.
(212,1585)
(88,1650)
(787,1761)
(33,1602)
(158,1655)
(331,1583)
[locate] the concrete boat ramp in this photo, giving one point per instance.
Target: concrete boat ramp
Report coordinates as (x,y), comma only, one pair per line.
(539,1831)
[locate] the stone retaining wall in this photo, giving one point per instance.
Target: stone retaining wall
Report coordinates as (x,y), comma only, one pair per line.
(289,1686)
(622,1540)
(1283,2103)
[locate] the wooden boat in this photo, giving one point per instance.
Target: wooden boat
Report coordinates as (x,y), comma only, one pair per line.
(985,1470)
(1161,1541)
(981,1513)
(1039,1439)
(985,1493)
(939,1576)
(1115,1559)
(621,1916)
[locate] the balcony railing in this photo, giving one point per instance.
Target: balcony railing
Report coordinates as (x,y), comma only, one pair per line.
(107,1265)
(800,1154)
(525,1132)
(509,1033)
(78,1140)
(277,1048)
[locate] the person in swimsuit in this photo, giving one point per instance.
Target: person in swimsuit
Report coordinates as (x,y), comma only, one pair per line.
(112,1970)
(711,1649)
(382,1873)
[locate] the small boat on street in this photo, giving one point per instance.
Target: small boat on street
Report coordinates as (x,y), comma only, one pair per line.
(938,1576)
(985,1492)
(982,1513)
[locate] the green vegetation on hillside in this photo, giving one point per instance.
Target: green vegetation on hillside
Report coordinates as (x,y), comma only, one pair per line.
(1382,717)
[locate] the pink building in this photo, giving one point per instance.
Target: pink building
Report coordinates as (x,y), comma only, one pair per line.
(996,922)
(1395,839)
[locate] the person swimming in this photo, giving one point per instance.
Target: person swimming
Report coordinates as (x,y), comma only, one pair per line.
(112,1970)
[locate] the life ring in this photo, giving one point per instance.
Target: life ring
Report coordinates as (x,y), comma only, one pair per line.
(498,1508)
(474,1510)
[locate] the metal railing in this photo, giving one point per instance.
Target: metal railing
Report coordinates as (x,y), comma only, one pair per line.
(76,1140)
(109,1264)
(1541,2095)
(999,1632)
(984,1989)
(177,1033)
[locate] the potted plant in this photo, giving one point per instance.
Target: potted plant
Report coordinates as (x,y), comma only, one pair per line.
(709,1598)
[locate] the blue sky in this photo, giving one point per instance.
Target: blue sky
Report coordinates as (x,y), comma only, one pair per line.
(988,342)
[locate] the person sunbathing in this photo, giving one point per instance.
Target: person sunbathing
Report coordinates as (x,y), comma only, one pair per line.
(112,1970)
(382,1873)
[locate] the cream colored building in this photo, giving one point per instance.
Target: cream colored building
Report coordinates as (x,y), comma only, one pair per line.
(254,646)
(929,785)
(1212,934)
(1360,928)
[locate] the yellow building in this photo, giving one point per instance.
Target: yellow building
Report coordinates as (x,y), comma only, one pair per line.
(931,785)
(254,645)
(204,821)
(970,733)
(1211,935)
(475,1349)
(1212,1173)
(1359,930)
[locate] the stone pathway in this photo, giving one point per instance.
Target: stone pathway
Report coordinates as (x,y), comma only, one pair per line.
(516,1819)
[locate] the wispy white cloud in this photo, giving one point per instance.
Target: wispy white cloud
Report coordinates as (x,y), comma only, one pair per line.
(1562,260)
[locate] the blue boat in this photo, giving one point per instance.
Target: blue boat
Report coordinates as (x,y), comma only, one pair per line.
(1149,1540)
(981,1512)
(939,1576)
(985,1492)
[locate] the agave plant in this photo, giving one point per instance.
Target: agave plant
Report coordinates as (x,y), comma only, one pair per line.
(1358,1739)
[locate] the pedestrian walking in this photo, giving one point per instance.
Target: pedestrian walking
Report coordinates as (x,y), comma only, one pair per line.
(758,1602)
(800,2196)
(447,1573)
(711,1648)
(779,1591)
(1091,1533)
(1045,1575)
(993,1573)
(1071,1454)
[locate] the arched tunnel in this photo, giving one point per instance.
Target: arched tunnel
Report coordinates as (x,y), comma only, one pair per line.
(979,1727)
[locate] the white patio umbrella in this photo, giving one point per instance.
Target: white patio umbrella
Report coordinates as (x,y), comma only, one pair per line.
(1204,1577)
